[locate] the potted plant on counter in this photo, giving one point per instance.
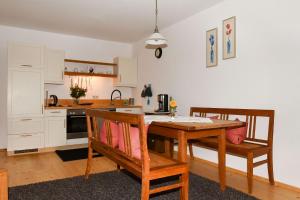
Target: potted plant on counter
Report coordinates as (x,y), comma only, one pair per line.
(77,92)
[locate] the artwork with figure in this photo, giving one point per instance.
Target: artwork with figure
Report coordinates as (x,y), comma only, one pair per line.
(212,47)
(229,40)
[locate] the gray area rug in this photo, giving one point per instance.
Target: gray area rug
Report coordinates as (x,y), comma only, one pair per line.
(117,185)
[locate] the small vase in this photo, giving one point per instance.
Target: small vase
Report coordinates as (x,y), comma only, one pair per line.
(172,113)
(76,101)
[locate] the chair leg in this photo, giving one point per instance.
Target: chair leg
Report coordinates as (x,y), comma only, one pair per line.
(250,171)
(191,151)
(145,189)
(270,167)
(89,161)
(184,191)
(118,167)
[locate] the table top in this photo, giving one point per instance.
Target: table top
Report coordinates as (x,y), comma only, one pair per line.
(196,126)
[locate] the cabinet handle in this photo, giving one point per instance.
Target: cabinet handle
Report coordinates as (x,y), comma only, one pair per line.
(26,135)
(55,112)
(26,65)
(120,78)
(42,109)
(26,120)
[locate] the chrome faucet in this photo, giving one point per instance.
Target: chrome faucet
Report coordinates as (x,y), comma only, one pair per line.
(111,96)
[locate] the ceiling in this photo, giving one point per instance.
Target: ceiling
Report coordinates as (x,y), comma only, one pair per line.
(116,20)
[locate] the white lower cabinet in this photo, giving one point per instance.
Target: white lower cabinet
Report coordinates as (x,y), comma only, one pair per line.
(25,141)
(25,133)
(55,128)
(130,110)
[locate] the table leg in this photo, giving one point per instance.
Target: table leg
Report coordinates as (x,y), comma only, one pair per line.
(182,147)
(222,159)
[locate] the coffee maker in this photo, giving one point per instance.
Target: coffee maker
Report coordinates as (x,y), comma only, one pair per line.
(163,103)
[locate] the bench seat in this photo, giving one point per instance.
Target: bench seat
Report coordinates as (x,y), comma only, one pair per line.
(241,150)
(252,147)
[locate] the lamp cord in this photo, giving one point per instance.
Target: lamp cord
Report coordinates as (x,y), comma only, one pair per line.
(156,13)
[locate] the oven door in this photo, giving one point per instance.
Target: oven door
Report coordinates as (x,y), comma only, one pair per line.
(76,126)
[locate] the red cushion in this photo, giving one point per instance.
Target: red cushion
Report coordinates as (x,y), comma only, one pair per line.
(114,132)
(135,140)
(236,135)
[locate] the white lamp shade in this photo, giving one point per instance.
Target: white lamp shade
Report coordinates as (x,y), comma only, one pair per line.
(156,39)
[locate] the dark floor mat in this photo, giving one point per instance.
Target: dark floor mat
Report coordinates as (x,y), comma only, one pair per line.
(118,185)
(74,154)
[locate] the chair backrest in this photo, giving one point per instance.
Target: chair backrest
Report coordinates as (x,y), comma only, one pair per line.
(250,115)
(125,122)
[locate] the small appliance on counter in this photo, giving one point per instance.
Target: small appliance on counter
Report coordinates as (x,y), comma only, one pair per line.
(53,100)
(163,103)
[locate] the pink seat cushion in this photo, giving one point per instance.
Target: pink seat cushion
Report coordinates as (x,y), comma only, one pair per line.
(236,135)
(135,140)
(114,132)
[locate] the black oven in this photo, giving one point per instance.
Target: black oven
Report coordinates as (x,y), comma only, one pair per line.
(76,124)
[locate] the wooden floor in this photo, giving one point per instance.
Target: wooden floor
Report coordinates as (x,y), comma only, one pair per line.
(48,166)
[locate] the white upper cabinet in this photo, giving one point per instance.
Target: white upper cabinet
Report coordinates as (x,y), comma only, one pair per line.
(54,66)
(23,55)
(25,93)
(127,72)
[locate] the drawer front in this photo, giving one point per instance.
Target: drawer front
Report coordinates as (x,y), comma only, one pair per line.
(25,125)
(25,141)
(56,113)
(130,110)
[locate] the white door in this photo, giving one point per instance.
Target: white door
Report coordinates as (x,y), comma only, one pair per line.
(54,66)
(25,93)
(23,55)
(55,131)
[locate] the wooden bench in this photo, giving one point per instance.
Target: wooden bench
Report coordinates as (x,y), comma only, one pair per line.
(3,185)
(253,146)
(149,167)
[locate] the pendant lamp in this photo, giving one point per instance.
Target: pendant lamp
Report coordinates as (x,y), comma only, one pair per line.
(156,39)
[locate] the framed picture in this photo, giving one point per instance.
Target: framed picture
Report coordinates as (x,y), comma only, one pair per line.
(229,38)
(212,47)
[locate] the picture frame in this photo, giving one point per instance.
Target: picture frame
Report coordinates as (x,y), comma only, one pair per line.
(229,38)
(212,47)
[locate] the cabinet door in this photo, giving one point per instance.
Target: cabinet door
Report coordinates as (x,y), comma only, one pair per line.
(54,66)
(21,55)
(25,93)
(55,134)
(127,72)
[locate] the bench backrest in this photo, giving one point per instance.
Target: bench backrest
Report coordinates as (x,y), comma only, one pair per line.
(126,122)
(250,115)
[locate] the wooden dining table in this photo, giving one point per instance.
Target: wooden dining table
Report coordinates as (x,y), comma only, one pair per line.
(184,131)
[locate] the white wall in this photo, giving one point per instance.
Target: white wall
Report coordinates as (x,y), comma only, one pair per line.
(265,73)
(75,48)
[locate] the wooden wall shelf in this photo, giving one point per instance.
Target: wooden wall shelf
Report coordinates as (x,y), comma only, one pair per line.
(90,62)
(90,74)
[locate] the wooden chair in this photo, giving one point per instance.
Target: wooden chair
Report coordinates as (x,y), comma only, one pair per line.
(149,167)
(252,147)
(3,185)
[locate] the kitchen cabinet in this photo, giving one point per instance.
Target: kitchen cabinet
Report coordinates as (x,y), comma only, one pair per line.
(25,97)
(24,55)
(55,128)
(54,66)
(130,110)
(25,93)
(126,71)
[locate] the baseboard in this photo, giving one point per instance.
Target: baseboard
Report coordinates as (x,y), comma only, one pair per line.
(258,178)
(47,149)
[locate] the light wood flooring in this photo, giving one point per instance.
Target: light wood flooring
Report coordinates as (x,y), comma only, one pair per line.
(48,166)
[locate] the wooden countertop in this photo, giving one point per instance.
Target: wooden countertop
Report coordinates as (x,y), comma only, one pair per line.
(101,103)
